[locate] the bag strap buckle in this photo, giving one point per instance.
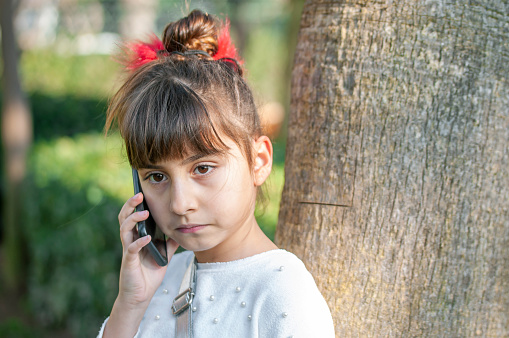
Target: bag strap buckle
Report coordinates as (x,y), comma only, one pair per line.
(182,301)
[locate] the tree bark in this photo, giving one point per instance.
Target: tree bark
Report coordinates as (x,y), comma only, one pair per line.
(397,166)
(16,141)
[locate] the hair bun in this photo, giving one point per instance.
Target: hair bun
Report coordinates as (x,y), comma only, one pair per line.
(197,31)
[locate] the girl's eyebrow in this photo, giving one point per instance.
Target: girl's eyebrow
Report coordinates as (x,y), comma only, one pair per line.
(184,162)
(200,156)
(193,158)
(152,166)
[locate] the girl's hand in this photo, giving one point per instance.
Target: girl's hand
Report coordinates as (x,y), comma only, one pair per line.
(140,276)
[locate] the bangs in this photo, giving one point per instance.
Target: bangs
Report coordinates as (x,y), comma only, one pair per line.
(168,121)
(169,109)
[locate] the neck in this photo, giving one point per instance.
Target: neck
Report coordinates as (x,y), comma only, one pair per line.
(250,243)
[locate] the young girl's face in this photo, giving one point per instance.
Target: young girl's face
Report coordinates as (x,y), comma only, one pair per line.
(204,202)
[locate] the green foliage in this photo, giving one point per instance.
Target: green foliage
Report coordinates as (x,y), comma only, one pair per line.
(91,76)
(68,94)
(89,162)
(55,116)
(266,57)
(79,183)
(267,215)
(15,328)
(72,224)
(75,255)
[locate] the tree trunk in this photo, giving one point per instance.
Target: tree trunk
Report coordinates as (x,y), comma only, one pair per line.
(16,140)
(397,166)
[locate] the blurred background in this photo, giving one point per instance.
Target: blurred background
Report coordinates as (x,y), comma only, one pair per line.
(59,249)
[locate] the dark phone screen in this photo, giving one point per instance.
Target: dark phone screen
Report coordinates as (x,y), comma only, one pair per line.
(157,245)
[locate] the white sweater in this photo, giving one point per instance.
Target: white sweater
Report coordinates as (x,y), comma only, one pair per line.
(267,295)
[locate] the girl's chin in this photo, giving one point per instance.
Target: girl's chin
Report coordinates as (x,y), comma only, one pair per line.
(195,247)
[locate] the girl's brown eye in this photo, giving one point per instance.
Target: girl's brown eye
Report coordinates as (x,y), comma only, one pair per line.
(202,169)
(157,178)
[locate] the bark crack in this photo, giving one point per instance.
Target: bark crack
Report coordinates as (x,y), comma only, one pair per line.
(328,204)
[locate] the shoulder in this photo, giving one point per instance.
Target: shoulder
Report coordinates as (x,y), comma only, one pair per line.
(271,294)
(292,303)
(286,272)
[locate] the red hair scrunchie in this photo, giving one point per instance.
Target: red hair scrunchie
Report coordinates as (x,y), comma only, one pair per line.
(140,53)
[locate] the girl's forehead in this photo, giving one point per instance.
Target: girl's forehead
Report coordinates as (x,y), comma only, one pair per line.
(191,157)
(226,150)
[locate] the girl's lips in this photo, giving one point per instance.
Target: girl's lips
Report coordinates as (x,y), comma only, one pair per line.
(188,228)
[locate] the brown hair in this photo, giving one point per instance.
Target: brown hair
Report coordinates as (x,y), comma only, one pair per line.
(197,31)
(178,103)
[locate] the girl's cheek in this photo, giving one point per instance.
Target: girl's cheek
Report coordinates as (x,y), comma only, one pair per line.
(154,197)
(156,189)
(214,182)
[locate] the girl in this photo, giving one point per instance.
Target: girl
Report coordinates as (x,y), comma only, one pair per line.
(191,129)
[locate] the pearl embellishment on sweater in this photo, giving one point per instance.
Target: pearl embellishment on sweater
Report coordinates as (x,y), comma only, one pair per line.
(281,268)
(249,317)
(285,314)
(194,309)
(243,304)
(216,320)
(212,297)
(157,317)
(237,289)
(165,291)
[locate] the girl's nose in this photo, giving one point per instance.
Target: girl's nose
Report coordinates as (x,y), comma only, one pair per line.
(181,199)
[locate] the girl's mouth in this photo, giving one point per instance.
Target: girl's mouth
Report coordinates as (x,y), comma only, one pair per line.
(189,228)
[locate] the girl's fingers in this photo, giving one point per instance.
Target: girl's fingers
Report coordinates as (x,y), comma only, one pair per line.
(135,247)
(127,227)
(129,206)
(134,218)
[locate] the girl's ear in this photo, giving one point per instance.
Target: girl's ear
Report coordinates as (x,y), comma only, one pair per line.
(263,160)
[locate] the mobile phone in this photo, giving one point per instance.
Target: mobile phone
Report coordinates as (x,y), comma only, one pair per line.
(157,244)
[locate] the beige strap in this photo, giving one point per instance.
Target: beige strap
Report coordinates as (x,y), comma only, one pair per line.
(181,306)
